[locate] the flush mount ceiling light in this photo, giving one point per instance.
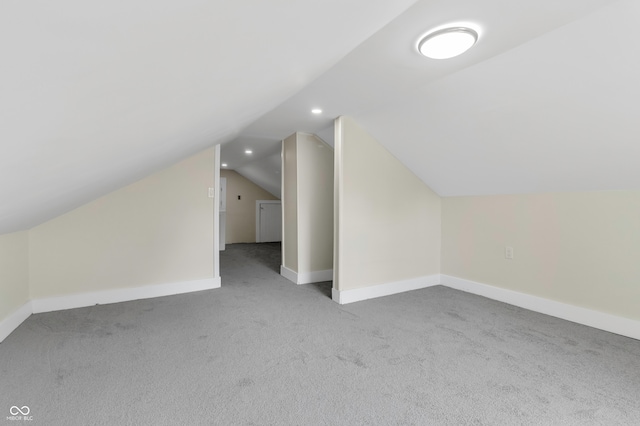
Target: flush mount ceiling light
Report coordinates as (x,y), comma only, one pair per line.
(316,111)
(224,164)
(248,151)
(447,42)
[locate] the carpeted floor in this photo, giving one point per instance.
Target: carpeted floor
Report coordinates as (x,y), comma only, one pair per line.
(263,351)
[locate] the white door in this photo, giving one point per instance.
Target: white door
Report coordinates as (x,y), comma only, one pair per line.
(269,222)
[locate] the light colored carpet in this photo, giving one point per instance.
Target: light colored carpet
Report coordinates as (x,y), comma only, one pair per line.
(264,351)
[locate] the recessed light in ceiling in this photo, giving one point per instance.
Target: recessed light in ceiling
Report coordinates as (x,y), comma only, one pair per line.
(248,151)
(316,111)
(224,164)
(447,42)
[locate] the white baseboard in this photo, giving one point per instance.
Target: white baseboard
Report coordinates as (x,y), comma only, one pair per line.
(612,323)
(104,297)
(14,320)
(358,294)
(59,303)
(289,274)
(306,277)
(315,276)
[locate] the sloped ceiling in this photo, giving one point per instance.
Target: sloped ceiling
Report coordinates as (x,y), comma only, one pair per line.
(545,102)
(557,113)
(94,96)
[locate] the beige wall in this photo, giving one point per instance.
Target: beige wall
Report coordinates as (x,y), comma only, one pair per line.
(14,272)
(388,219)
(155,231)
(290,203)
(241,214)
(315,204)
(578,248)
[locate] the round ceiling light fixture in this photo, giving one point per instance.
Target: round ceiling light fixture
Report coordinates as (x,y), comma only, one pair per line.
(447,42)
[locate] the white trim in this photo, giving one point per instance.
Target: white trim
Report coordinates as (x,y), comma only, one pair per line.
(222,221)
(600,320)
(315,276)
(282,200)
(612,323)
(337,198)
(306,277)
(357,294)
(289,274)
(14,320)
(258,202)
(216,214)
(104,297)
(11,322)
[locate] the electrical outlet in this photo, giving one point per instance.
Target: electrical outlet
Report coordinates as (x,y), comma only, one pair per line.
(508,253)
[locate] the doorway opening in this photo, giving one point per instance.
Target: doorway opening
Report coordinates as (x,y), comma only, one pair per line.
(268,221)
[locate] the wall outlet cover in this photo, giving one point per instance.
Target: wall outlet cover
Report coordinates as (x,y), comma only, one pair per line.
(508,253)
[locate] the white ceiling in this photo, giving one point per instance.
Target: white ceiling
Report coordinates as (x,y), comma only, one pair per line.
(557,113)
(535,87)
(96,96)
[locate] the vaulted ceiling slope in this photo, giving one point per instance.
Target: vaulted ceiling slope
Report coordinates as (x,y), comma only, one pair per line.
(558,113)
(95,95)
(545,102)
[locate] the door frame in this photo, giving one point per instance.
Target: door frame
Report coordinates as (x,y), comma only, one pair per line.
(216,216)
(258,202)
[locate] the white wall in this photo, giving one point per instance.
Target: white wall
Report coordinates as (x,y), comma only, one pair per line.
(290,204)
(581,249)
(307,209)
(241,214)
(388,220)
(14,273)
(315,204)
(158,230)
